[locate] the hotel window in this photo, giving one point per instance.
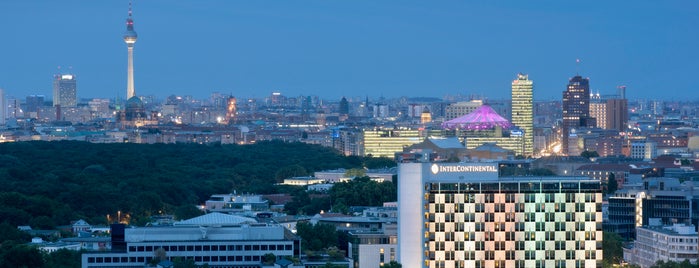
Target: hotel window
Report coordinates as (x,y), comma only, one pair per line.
(489,236)
(540,245)
(519,245)
(480,226)
(539,226)
(509,236)
(529,255)
(480,245)
(499,207)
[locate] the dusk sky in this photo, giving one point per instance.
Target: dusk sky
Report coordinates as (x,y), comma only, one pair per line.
(353,48)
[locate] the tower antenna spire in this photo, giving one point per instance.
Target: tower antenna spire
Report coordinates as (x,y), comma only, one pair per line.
(577,66)
(130,10)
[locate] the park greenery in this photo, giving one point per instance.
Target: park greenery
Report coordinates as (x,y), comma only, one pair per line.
(46,184)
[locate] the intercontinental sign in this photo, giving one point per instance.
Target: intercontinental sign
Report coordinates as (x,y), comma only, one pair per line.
(465,168)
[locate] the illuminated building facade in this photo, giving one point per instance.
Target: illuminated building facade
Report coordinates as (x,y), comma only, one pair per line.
(523,110)
(598,110)
(461,108)
(465,215)
(576,108)
(386,142)
(231,109)
(65,90)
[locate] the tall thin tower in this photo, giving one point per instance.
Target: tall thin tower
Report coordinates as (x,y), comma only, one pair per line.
(130,39)
(523,110)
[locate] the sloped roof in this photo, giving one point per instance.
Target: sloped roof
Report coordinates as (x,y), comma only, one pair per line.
(482,118)
(446,143)
(491,147)
(216,218)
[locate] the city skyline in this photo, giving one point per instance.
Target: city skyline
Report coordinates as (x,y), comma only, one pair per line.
(352,49)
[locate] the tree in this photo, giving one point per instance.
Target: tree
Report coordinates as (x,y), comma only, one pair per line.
(187,211)
(392,264)
(289,172)
(269,259)
(589,154)
(611,244)
(316,237)
(63,258)
(355,172)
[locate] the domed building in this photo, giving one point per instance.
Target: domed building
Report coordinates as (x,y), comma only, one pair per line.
(134,114)
(485,126)
(135,109)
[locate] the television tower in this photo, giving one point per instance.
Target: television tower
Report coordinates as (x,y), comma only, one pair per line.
(130,39)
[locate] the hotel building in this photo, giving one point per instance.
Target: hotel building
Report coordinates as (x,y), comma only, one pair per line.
(466,215)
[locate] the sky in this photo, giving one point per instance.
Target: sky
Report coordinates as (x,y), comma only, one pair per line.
(352,48)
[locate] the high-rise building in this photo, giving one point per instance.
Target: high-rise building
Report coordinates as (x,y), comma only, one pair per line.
(130,37)
(576,108)
(617,114)
(65,90)
(598,110)
(523,110)
(464,215)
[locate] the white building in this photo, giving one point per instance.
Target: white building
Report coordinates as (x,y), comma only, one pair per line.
(236,203)
(645,150)
(464,215)
(655,243)
(372,249)
(216,239)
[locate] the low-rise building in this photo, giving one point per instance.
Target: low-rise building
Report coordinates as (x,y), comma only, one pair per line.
(655,243)
(218,240)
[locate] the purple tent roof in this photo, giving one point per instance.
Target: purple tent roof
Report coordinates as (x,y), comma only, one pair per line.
(482,118)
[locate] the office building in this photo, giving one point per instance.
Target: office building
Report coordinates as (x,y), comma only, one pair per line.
(466,215)
(387,142)
(216,239)
(662,199)
(461,108)
(523,110)
(598,110)
(65,90)
(669,243)
(576,108)
(617,114)
(374,248)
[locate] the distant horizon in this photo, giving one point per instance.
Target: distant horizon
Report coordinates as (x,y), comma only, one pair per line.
(335,49)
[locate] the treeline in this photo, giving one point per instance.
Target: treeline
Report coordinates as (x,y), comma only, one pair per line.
(51,183)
